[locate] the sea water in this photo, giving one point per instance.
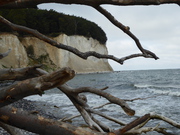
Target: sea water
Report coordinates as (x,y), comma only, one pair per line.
(159,90)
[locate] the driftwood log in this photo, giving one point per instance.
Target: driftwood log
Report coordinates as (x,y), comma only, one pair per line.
(19,73)
(34,86)
(40,125)
(32,80)
(10,112)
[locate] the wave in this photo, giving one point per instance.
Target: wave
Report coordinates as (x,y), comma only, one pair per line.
(166,92)
(161,89)
(51,98)
(157,87)
(124,86)
(146,86)
(171,90)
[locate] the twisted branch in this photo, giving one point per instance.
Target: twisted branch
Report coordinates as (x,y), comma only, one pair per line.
(126,29)
(83,55)
(80,102)
(34,86)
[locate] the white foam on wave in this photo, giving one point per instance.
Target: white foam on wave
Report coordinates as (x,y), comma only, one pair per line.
(142,85)
(50,98)
(158,86)
(166,92)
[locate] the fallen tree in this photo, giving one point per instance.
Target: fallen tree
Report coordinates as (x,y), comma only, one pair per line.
(33,80)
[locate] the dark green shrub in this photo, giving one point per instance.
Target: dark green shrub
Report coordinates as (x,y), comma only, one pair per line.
(51,23)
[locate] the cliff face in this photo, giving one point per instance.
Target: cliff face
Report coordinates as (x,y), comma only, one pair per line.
(30,50)
(17,57)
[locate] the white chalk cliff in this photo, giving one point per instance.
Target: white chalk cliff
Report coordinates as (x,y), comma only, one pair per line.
(30,50)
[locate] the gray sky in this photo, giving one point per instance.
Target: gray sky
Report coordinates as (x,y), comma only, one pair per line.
(157,27)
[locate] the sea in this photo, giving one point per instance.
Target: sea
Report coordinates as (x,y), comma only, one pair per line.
(158,92)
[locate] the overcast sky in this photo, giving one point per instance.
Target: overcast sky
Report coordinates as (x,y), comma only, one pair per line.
(157,27)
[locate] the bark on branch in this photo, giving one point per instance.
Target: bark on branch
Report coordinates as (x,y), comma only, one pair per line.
(83,55)
(40,125)
(19,73)
(109,97)
(126,29)
(34,3)
(12,115)
(11,130)
(33,86)
(168,120)
(136,127)
(81,105)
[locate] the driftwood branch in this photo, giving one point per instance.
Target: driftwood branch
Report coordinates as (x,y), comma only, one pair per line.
(33,86)
(83,55)
(147,129)
(98,113)
(136,127)
(133,124)
(35,123)
(81,105)
(34,3)
(11,130)
(2,55)
(126,29)
(80,102)
(108,117)
(29,87)
(168,120)
(109,97)
(19,73)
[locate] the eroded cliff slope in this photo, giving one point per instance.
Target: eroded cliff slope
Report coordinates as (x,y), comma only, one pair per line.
(30,50)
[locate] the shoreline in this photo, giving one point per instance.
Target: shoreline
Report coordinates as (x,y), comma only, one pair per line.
(30,106)
(102,72)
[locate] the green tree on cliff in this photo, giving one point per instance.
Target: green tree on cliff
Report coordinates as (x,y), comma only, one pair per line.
(32,80)
(53,23)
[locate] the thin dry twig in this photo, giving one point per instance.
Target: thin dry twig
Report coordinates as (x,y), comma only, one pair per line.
(126,29)
(108,96)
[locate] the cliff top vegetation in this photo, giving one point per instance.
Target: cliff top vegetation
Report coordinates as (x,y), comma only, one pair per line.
(52,23)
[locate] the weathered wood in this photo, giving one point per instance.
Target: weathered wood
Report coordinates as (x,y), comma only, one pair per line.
(80,102)
(34,86)
(39,84)
(163,118)
(108,96)
(84,55)
(19,73)
(34,3)
(11,130)
(133,124)
(40,125)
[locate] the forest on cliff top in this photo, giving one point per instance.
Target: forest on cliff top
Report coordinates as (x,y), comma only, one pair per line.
(52,23)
